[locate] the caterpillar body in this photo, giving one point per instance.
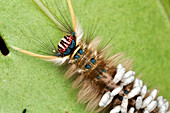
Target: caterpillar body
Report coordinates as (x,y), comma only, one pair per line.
(106,84)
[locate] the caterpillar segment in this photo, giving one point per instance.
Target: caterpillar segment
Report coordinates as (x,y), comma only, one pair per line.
(105,84)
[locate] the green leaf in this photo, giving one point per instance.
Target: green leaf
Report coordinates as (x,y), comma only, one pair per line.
(40,87)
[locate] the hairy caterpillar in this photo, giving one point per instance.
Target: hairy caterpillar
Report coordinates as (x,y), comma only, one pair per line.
(91,46)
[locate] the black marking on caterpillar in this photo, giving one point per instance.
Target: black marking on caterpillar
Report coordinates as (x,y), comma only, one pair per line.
(106,84)
(3,47)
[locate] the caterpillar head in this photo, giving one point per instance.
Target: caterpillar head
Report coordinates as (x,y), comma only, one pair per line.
(66,45)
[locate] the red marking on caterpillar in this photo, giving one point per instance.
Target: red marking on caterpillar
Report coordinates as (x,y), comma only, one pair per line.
(64,43)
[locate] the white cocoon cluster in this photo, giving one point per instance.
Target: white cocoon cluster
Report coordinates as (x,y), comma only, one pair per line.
(148,104)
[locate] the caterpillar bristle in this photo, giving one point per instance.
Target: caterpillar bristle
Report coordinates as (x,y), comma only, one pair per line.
(70,71)
(84,90)
(78,82)
(113,60)
(91,106)
(105,52)
(94,44)
(127,63)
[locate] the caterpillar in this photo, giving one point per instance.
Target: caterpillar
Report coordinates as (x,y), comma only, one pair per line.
(106,84)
